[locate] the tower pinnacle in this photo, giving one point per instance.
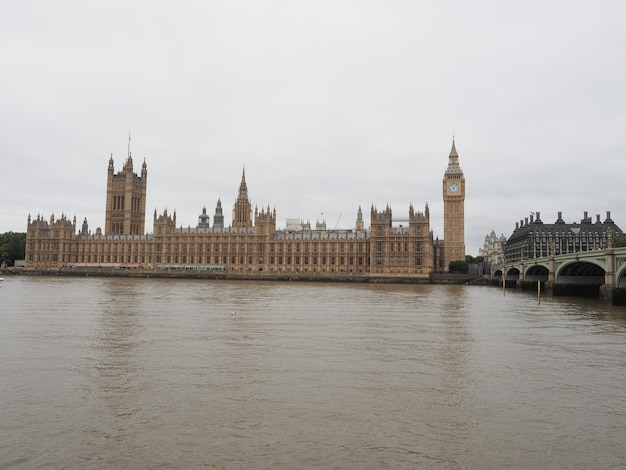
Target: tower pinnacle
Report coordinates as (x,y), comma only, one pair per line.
(243,187)
(453,150)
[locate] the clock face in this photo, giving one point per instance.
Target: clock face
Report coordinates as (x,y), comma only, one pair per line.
(453,188)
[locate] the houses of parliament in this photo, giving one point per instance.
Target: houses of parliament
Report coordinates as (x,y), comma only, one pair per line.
(398,247)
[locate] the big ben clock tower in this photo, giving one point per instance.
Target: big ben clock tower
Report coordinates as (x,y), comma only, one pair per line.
(453,211)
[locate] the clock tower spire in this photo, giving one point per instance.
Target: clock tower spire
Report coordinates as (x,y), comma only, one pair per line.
(453,210)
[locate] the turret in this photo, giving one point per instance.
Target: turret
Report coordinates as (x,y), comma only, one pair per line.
(164,223)
(218,217)
(264,221)
(359,219)
(204,219)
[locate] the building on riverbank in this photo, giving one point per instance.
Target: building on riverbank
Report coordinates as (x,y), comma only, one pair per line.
(493,249)
(534,239)
(397,247)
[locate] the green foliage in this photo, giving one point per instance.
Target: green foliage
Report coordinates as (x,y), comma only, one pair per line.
(12,247)
(469,259)
(618,242)
(458,267)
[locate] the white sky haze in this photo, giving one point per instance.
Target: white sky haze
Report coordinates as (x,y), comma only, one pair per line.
(329,105)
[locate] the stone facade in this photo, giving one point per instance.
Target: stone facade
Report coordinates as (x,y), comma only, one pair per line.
(493,249)
(126,199)
(402,247)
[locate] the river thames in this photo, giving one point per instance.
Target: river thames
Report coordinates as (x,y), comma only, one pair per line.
(149,373)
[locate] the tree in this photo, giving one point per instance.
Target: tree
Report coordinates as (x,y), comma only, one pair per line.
(474,260)
(618,242)
(12,247)
(458,267)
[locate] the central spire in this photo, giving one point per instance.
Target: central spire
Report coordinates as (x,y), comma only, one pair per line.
(243,187)
(242,212)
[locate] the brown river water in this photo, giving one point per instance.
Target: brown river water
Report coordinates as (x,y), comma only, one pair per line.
(148,373)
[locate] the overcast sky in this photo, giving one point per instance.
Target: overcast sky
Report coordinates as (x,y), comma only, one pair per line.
(329,105)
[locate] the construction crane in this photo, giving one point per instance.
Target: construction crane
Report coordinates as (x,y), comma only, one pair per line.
(338,219)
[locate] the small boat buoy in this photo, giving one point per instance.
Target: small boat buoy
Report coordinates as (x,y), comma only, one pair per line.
(233,313)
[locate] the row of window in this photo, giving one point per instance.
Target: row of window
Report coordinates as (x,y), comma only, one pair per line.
(542,249)
(225,259)
(400,247)
(119,202)
(207,248)
(223,248)
(398,261)
(232,259)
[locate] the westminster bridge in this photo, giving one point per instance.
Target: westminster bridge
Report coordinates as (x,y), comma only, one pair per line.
(599,273)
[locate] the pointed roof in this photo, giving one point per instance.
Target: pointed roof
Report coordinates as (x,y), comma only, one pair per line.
(453,161)
(453,150)
(243,187)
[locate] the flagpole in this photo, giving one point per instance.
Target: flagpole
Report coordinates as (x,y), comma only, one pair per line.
(128,144)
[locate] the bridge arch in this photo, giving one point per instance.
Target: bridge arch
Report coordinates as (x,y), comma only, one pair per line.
(536,272)
(589,272)
(511,274)
(620,276)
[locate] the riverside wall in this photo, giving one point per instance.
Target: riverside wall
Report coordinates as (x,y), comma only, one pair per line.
(440,278)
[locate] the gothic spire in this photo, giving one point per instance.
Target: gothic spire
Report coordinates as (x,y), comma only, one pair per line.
(243,187)
(453,160)
(453,150)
